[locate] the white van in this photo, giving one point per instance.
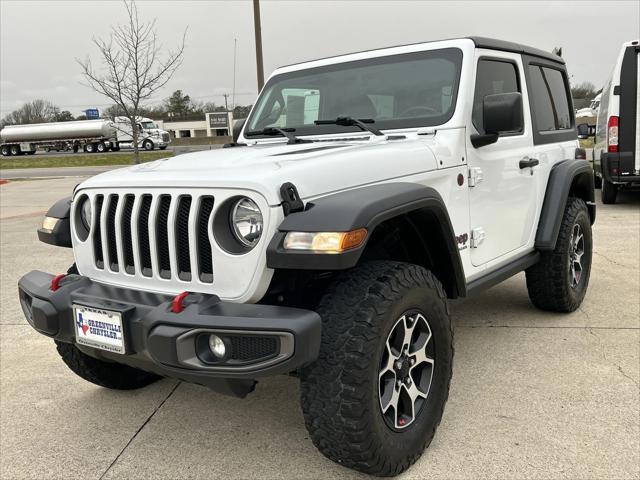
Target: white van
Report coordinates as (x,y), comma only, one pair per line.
(617,144)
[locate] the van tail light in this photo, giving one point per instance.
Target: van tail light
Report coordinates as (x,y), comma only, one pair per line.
(581,154)
(612,134)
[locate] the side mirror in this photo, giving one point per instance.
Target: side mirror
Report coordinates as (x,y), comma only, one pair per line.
(501,112)
(585,131)
(237,128)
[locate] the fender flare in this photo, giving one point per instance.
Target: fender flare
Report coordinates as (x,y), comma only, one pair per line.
(364,207)
(569,176)
(60,236)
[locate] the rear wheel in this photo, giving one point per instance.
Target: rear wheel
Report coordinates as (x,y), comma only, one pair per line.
(375,396)
(5,150)
(597,181)
(106,374)
(559,281)
(101,147)
(15,150)
(164,147)
(609,192)
(89,148)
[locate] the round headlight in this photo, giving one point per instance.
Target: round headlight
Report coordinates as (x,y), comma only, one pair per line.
(246,222)
(85,213)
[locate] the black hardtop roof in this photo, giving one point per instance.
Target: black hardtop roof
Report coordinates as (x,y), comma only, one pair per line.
(493,44)
(480,42)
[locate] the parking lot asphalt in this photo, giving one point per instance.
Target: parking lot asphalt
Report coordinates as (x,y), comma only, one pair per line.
(534,394)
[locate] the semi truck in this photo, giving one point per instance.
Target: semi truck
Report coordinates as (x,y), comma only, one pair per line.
(85,135)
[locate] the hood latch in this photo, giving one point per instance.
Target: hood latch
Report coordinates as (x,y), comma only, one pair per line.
(291,202)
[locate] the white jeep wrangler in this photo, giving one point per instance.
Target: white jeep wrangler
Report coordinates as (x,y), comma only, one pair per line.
(362,194)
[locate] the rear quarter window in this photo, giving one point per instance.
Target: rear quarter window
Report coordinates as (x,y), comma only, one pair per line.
(550,100)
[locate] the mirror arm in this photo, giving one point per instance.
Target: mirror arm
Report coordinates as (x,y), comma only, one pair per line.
(480,140)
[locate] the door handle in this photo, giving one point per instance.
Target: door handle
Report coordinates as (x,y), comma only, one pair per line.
(528,162)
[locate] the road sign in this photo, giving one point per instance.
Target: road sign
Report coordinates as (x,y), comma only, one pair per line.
(92,113)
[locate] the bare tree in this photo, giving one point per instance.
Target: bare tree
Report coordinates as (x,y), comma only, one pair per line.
(133,66)
(36,111)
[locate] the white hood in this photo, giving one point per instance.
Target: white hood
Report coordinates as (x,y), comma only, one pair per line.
(315,168)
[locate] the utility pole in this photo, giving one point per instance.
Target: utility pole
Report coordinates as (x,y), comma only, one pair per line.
(233,91)
(258,33)
(226,106)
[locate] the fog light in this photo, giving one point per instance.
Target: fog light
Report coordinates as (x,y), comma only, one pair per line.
(216,344)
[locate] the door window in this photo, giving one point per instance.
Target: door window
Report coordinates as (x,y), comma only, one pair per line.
(493,76)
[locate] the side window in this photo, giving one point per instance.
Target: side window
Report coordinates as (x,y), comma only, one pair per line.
(493,76)
(550,101)
(559,97)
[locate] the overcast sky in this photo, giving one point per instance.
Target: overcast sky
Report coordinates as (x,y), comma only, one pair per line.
(39,40)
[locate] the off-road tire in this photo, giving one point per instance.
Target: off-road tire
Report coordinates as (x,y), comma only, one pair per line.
(339,392)
(549,281)
(609,192)
(106,374)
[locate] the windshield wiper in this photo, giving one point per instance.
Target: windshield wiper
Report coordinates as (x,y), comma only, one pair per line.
(285,132)
(363,123)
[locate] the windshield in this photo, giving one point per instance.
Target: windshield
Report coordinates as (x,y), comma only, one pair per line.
(148,125)
(400,91)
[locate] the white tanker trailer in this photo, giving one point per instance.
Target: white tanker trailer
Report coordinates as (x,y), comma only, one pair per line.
(87,135)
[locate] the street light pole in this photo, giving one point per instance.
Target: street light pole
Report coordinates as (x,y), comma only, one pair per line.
(258,33)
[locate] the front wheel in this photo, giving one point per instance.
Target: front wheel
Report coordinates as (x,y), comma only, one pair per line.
(148,145)
(559,281)
(106,374)
(375,396)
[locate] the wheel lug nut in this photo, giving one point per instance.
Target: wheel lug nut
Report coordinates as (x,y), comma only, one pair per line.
(399,383)
(412,361)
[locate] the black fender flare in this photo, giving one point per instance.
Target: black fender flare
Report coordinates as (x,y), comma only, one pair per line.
(569,176)
(60,236)
(364,207)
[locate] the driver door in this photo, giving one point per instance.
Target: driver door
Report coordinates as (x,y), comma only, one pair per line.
(503,197)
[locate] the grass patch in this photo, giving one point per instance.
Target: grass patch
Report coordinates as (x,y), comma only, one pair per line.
(78,160)
(586,143)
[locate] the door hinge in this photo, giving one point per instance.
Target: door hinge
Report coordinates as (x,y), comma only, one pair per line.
(475,176)
(477,237)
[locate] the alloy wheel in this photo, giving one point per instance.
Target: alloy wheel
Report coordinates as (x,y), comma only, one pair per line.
(406,370)
(576,251)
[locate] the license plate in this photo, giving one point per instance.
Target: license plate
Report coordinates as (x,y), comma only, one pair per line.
(99,328)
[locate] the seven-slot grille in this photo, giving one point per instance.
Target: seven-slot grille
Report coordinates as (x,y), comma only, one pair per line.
(162,235)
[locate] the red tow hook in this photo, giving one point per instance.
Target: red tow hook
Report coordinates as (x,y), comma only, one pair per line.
(55,281)
(177,306)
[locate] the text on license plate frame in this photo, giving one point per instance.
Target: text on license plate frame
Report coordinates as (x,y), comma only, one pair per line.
(99,328)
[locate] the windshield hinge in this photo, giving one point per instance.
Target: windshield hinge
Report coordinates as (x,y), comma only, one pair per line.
(291,202)
(475,176)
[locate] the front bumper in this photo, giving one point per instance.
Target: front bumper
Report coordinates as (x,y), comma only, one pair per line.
(272,339)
